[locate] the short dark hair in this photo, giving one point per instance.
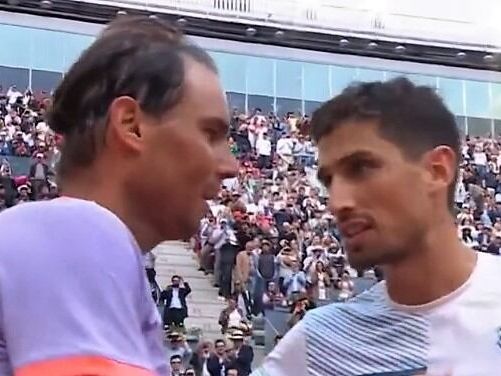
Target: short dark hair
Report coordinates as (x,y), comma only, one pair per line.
(219,341)
(175,276)
(175,356)
(137,56)
(412,117)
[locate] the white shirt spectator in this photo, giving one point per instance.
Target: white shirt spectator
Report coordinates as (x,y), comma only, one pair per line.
(460,194)
(263,147)
(13,94)
(284,146)
(479,158)
(175,302)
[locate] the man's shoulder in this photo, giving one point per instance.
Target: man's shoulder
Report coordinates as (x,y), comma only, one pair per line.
(368,312)
(364,330)
(56,215)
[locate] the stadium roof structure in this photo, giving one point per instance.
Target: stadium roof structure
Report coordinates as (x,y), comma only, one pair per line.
(326,26)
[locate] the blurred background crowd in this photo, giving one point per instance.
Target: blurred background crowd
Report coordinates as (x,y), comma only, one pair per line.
(268,243)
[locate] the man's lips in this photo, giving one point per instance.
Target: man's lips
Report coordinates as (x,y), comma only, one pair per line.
(353,227)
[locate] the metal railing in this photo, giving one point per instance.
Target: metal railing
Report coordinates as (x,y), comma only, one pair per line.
(327,16)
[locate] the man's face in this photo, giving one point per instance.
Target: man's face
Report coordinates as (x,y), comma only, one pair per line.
(220,348)
(175,282)
(381,200)
(184,156)
(175,364)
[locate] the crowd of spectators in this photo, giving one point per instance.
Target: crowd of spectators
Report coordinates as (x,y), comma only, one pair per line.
(29,149)
(268,240)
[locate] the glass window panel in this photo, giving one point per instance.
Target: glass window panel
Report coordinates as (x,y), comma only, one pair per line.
(477,99)
(495,108)
(16,46)
(341,77)
(14,76)
(479,127)
(73,48)
(285,105)
(316,82)
(497,127)
(422,80)
(260,76)
(231,70)
(45,80)
(236,101)
(310,106)
(369,75)
(392,75)
(461,124)
(451,90)
(260,101)
(289,79)
(47,49)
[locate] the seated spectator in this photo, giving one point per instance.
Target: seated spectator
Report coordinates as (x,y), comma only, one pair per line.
(272,297)
(200,359)
(241,355)
(232,317)
(299,308)
(495,246)
(178,346)
(176,366)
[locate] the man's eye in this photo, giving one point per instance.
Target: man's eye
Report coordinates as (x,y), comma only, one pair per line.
(360,168)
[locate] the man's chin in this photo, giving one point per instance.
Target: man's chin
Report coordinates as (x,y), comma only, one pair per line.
(360,260)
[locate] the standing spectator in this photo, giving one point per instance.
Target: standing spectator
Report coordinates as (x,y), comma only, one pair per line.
(218,362)
(346,287)
(149,266)
(241,355)
(244,299)
(263,150)
(296,282)
(266,273)
(320,280)
(38,172)
(174,298)
(228,252)
(245,268)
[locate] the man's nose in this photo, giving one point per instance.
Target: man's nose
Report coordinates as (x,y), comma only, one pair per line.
(228,164)
(341,196)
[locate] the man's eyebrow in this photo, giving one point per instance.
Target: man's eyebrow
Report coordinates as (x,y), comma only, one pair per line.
(322,174)
(217,122)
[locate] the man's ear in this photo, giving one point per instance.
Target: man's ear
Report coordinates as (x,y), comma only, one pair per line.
(124,122)
(441,167)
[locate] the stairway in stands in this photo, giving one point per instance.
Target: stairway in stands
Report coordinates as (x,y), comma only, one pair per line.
(203,303)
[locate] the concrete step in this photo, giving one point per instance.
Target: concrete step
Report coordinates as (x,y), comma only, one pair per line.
(203,304)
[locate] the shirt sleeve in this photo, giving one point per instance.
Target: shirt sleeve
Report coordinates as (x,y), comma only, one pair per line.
(288,357)
(70,304)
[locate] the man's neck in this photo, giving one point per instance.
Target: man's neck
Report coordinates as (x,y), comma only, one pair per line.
(88,187)
(439,267)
